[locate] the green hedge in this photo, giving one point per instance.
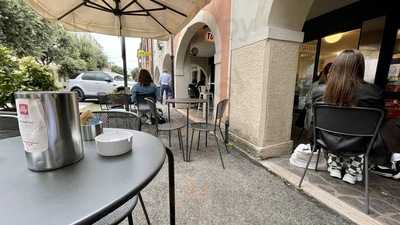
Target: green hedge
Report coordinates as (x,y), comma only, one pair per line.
(21,74)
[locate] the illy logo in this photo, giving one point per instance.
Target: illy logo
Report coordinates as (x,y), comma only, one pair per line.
(23,109)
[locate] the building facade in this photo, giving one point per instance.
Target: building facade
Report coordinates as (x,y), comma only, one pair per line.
(263,55)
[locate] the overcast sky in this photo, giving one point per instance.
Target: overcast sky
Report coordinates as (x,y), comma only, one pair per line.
(112,48)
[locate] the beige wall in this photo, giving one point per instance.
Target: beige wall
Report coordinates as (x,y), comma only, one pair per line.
(266,36)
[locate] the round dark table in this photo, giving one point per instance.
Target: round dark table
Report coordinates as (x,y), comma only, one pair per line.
(83,192)
(188,102)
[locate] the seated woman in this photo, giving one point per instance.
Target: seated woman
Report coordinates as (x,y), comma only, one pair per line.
(145,86)
(346,87)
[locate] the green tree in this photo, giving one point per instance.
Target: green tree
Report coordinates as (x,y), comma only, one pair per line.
(70,67)
(135,73)
(117,69)
(22,30)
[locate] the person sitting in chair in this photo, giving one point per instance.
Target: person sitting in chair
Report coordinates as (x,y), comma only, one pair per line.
(145,85)
(346,87)
(145,88)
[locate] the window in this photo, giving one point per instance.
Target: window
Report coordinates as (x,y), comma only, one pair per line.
(370,45)
(102,76)
(89,76)
(118,78)
(392,102)
(305,71)
(333,45)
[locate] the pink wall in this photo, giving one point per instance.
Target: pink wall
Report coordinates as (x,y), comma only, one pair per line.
(221,10)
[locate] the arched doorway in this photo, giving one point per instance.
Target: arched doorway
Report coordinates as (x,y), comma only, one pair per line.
(199,51)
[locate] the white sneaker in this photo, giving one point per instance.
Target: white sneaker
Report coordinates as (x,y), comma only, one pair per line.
(349,178)
(335,173)
(359,177)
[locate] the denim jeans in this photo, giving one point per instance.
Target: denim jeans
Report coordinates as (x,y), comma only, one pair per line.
(167,90)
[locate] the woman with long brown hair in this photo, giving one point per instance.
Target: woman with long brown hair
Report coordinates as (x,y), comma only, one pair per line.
(345,87)
(145,85)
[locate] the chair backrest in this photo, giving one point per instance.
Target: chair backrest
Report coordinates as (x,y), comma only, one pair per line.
(118,100)
(221,107)
(153,109)
(8,126)
(140,100)
(346,129)
(119,119)
(104,100)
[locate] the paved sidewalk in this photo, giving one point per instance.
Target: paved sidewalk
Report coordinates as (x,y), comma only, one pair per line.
(243,193)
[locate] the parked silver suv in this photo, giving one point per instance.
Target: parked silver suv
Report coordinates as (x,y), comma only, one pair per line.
(89,84)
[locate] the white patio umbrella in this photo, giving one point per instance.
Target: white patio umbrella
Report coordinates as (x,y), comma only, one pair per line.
(156,19)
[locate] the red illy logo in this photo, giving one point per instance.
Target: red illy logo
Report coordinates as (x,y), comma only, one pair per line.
(23,109)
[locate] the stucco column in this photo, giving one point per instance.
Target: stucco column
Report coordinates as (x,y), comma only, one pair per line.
(262,92)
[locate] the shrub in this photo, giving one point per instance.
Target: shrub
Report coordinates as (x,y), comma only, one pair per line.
(9,79)
(35,77)
(23,74)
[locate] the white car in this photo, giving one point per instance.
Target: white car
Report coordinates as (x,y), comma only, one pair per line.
(89,84)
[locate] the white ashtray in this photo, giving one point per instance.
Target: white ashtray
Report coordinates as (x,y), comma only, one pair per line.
(113,143)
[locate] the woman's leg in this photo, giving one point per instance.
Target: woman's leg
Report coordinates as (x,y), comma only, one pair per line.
(354,169)
(335,165)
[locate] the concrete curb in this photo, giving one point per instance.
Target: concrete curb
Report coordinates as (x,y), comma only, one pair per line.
(324,197)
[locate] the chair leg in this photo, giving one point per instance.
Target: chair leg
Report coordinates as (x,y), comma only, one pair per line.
(181,143)
(130,219)
(318,155)
(366,185)
(219,151)
(169,138)
(223,138)
(144,208)
(198,141)
(305,170)
(191,144)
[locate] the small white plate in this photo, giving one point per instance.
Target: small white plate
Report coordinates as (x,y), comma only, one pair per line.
(114,142)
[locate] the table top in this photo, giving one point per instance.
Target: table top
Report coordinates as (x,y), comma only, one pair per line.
(186,100)
(77,193)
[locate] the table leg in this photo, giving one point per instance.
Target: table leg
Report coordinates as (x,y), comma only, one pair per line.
(187,133)
(169,121)
(171,181)
(206,120)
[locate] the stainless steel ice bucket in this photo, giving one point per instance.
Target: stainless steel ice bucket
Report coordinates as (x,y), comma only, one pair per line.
(50,129)
(89,132)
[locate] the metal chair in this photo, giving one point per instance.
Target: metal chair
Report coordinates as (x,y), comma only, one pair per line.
(334,126)
(212,128)
(125,120)
(8,126)
(169,126)
(141,104)
(104,100)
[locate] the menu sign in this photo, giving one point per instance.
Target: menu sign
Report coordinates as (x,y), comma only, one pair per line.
(32,125)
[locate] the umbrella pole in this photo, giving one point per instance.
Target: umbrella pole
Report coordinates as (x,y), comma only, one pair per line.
(172,68)
(123,50)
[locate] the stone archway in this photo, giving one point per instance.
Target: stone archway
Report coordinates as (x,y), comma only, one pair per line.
(202,19)
(156,75)
(166,63)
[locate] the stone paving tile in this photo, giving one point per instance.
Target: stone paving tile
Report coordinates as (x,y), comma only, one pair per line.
(384,193)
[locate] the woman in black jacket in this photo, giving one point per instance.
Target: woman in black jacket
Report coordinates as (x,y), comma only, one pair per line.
(346,87)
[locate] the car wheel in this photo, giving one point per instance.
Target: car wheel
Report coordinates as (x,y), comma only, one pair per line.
(79,93)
